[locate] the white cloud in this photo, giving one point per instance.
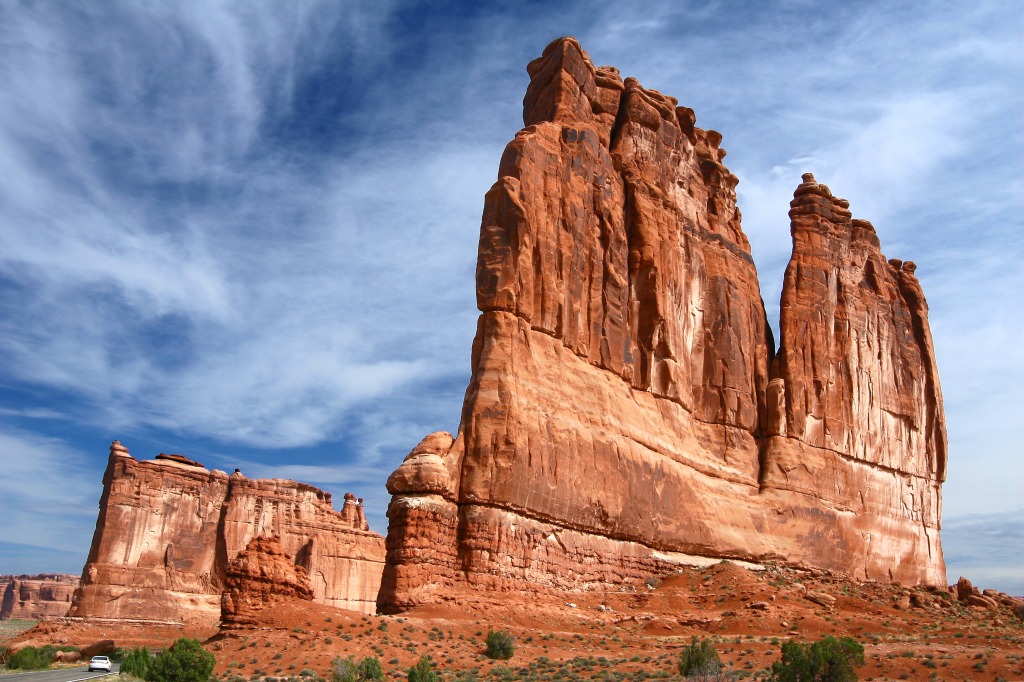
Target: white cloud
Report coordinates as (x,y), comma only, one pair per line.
(256,223)
(49,491)
(987,549)
(32,413)
(258,320)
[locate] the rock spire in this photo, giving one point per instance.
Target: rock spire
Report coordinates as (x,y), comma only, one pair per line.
(627,407)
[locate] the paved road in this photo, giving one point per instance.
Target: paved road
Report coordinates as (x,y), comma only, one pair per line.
(63,675)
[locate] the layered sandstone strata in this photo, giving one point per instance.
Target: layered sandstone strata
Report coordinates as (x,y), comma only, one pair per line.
(168,529)
(626,406)
(36,597)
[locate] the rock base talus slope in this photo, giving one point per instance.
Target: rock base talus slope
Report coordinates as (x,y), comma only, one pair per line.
(626,406)
(168,529)
(36,597)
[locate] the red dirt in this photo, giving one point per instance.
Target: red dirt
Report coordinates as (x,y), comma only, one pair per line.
(628,631)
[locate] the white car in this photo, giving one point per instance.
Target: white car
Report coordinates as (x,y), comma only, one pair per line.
(99,663)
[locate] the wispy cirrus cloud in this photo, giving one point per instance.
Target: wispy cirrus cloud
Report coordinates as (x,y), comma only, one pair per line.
(254,225)
(49,503)
(216,281)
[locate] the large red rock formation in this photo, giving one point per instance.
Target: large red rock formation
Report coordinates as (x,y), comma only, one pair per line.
(168,529)
(626,407)
(260,576)
(36,597)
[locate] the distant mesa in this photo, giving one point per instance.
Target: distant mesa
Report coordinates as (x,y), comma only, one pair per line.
(168,530)
(628,407)
(36,597)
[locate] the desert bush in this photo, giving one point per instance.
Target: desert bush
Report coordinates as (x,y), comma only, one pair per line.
(829,660)
(185,661)
(423,671)
(500,645)
(48,652)
(343,670)
(347,670)
(699,661)
(29,658)
(370,669)
(136,663)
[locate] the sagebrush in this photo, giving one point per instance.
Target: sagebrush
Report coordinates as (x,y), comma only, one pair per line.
(829,660)
(500,645)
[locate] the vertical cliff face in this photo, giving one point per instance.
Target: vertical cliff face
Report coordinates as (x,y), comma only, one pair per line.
(168,528)
(620,410)
(36,597)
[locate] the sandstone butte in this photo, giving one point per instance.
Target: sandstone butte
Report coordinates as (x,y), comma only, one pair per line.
(628,408)
(168,530)
(36,597)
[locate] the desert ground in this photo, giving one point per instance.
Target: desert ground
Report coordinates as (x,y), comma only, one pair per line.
(632,633)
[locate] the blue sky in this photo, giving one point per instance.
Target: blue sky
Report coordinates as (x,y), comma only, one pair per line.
(246,231)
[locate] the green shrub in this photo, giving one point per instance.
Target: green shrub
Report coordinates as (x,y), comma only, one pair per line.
(699,660)
(136,663)
(423,671)
(48,651)
(347,670)
(29,658)
(370,669)
(185,661)
(500,645)
(343,670)
(830,660)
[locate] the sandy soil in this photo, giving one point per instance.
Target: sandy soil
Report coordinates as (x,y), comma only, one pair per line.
(634,633)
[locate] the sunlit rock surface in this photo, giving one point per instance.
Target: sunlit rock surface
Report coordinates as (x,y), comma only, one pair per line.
(627,406)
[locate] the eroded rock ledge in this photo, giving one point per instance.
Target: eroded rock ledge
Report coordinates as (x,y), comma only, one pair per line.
(627,405)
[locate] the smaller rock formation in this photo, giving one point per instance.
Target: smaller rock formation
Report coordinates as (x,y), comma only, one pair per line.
(261,575)
(168,529)
(67,657)
(989,600)
(180,459)
(99,648)
(964,589)
(37,597)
